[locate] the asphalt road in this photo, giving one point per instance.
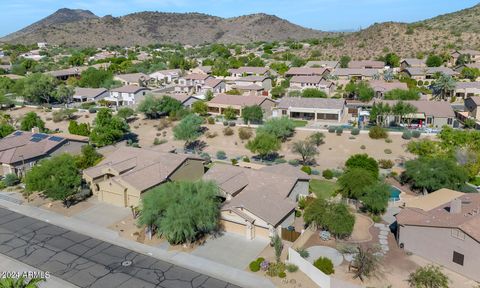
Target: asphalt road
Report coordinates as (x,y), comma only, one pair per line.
(88,262)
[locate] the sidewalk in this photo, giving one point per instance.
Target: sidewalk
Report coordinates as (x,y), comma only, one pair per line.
(8,265)
(198,264)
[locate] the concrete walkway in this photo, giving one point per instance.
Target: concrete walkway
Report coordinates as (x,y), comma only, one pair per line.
(198,264)
(9,265)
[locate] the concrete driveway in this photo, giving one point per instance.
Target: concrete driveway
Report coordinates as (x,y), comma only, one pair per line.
(232,249)
(103,214)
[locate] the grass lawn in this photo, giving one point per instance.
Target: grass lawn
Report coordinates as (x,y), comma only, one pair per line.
(476,182)
(323,188)
(300,123)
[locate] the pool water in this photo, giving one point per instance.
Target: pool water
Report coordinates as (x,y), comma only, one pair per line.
(394,193)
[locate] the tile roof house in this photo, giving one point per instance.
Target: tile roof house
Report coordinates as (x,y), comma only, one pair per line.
(21,150)
(316,109)
(467,89)
(305,71)
(355,74)
(258,203)
(412,63)
(215,85)
(381,87)
(166,76)
(474,56)
(366,64)
(219,103)
(127,95)
(191,83)
(134,79)
(428,73)
(122,177)
(472,105)
(248,71)
(202,70)
(89,94)
(318,82)
(252,84)
(323,64)
(444,227)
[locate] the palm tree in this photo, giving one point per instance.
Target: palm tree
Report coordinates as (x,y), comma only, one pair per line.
(442,87)
(20,282)
(379,111)
(401,109)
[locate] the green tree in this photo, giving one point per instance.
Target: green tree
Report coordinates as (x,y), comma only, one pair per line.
(125,113)
(77,59)
(429,276)
(31,120)
(229,113)
(107,129)
(360,90)
(56,177)
(263,144)
(379,112)
(6,129)
(470,73)
(196,202)
(282,128)
(153,107)
(306,149)
(21,282)
(402,109)
(76,128)
(392,60)
(344,60)
(333,217)
(89,157)
(433,173)
(354,181)
(375,198)
(317,138)
(313,93)
(188,129)
(424,147)
(64,93)
(95,78)
(443,86)
(252,114)
(434,61)
(401,94)
(200,107)
(38,88)
(279,67)
(363,161)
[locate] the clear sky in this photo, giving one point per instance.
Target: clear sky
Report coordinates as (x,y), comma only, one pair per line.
(329,15)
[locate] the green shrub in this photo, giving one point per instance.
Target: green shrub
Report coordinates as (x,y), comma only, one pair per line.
(377,132)
(307,169)
(254,266)
(416,134)
(332,129)
(302,203)
(407,135)
(291,268)
(376,218)
(355,131)
(234,161)
(157,141)
(210,120)
(275,269)
(92,110)
(325,265)
(246,159)
(327,174)
(245,133)
(2,185)
(293,162)
(387,151)
(303,252)
(388,140)
(385,163)
(280,161)
(11,180)
(282,274)
(221,155)
(225,123)
(339,131)
(205,156)
(363,147)
(298,213)
(260,260)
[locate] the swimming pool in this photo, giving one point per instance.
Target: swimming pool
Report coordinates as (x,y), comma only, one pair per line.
(394,193)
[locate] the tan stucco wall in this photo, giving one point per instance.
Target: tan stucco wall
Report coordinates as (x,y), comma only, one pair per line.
(438,244)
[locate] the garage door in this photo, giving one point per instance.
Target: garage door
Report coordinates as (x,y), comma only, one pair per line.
(233,227)
(261,232)
(113,198)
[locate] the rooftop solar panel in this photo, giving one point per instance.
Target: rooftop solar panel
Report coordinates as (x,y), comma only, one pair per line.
(35,139)
(55,138)
(18,133)
(39,135)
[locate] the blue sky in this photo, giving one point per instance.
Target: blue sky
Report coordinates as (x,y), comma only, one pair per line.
(318,14)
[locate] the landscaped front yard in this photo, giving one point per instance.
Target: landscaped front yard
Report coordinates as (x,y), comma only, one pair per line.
(323,188)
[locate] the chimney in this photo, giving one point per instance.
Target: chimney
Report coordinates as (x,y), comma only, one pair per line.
(456,206)
(35,130)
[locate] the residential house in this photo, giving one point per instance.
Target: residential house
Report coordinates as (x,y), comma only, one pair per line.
(344,75)
(317,82)
(33,55)
(473,54)
(166,76)
(218,104)
(64,74)
(304,71)
(215,85)
(191,83)
(127,95)
(21,150)
(258,203)
(443,227)
(123,175)
(435,114)
(186,100)
(42,45)
(248,71)
(381,87)
(89,94)
(136,79)
(207,70)
(366,64)
(472,107)
(428,73)
(6,67)
(412,63)
(316,109)
(102,55)
(253,84)
(467,89)
(330,65)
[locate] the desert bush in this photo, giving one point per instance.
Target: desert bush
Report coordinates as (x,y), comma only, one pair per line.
(416,134)
(325,265)
(385,163)
(246,159)
(339,131)
(377,132)
(157,141)
(221,155)
(205,156)
(327,174)
(291,268)
(210,135)
(293,162)
(407,135)
(11,179)
(254,266)
(163,124)
(363,147)
(245,133)
(210,120)
(388,140)
(303,252)
(355,131)
(387,151)
(332,129)
(228,131)
(234,161)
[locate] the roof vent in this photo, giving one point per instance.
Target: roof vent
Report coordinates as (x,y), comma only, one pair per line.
(456,206)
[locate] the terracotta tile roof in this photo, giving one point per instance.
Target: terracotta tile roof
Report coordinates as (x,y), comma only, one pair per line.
(467,220)
(467,85)
(414,62)
(323,64)
(22,146)
(264,194)
(286,170)
(318,103)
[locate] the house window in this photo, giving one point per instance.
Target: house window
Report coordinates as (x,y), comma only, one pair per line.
(458,234)
(458,258)
(449,121)
(284,112)
(429,120)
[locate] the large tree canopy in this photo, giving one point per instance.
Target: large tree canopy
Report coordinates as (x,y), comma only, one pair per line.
(154,107)
(363,161)
(354,181)
(188,129)
(252,114)
(282,128)
(330,216)
(31,120)
(181,211)
(107,129)
(263,144)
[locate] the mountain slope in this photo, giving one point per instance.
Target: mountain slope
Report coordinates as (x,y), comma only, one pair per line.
(466,20)
(154,27)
